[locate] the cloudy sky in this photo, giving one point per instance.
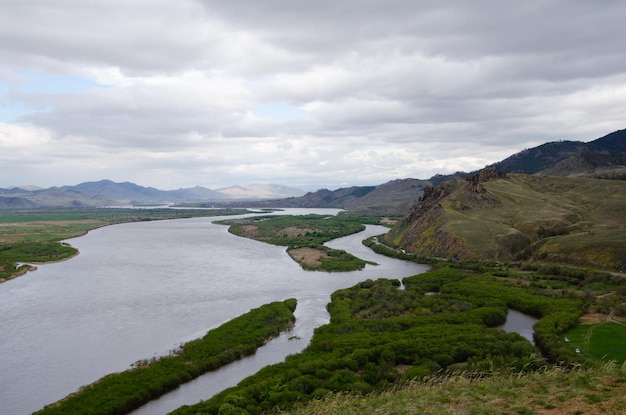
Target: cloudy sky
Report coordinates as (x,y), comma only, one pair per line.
(308,94)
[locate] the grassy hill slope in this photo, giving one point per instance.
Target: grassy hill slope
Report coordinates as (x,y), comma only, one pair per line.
(555,219)
(553,391)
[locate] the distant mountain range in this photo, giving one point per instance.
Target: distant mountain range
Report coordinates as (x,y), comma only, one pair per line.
(109,193)
(604,157)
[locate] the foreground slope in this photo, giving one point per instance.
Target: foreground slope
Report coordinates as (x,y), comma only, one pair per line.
(495,216)
(549,392)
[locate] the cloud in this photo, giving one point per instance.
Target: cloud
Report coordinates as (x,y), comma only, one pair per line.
(299,93)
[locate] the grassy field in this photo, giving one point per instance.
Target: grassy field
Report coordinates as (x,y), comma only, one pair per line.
(599,342)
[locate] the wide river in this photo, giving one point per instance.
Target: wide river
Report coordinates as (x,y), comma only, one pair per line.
(139,290)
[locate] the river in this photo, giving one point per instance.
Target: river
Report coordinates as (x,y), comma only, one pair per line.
(139,290)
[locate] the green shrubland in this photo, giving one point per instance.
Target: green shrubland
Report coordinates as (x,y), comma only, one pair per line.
(381,336)
(120,393)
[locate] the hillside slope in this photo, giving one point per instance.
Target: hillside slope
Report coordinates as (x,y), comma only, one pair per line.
(495,216)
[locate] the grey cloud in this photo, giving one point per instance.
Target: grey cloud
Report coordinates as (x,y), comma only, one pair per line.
(419,85)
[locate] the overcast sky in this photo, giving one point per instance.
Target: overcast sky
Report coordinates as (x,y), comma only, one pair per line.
(308,94)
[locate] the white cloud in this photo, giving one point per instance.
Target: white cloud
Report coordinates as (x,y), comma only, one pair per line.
(330,93)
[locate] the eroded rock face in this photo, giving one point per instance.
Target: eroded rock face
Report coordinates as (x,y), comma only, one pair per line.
(475,182)
(429,199)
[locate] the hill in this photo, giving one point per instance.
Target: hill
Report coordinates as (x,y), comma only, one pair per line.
(543,157)
(391,198)
(553,391)
(497,216)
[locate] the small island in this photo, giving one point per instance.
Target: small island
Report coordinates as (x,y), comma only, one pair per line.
(305,236)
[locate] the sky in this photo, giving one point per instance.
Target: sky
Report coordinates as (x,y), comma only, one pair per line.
(306,94)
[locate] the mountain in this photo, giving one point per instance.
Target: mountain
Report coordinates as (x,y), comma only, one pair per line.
(109,193)
(391,198)
(493,215)
(54,197)
(127,192)
(260,191)
(545,156)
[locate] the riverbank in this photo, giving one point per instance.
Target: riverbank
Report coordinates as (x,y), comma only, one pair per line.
(120,393)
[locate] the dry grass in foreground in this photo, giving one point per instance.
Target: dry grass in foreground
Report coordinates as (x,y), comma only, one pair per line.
(552,391)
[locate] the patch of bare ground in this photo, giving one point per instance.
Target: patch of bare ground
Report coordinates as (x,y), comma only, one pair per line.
(250,230)
(308,256)
(293,231)
(598,318)
(387,221)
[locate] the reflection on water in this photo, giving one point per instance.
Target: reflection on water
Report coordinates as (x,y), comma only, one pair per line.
(520,323)
(139,290)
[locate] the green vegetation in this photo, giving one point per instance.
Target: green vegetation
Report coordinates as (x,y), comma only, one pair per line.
(380,336)
(305,235)
(120,393)
(33,235)
(32,252)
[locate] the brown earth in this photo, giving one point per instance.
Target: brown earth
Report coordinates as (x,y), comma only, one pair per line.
(597,318)
(308,256)
(293,231)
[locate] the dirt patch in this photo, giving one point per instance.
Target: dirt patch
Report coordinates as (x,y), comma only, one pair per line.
(250,230)
(308,256)
(593,318)
(293,231)
(598,318)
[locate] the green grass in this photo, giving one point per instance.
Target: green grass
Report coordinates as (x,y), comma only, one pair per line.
(552,390)
(599,342)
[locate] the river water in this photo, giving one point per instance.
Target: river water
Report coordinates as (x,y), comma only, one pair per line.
(139,290)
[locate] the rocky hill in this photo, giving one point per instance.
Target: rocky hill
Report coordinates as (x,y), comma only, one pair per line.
(497,216)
